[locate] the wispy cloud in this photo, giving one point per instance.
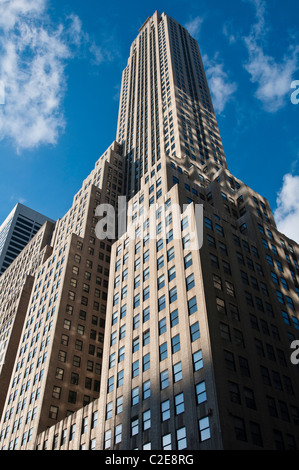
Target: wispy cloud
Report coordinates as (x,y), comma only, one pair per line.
(221,87)
(287,212)
(272,77)
(194,26)
(227,31)
(34,54)
(16,199)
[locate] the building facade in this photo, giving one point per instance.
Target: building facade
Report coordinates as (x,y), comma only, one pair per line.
(16,231)
(198,338)
(56,365)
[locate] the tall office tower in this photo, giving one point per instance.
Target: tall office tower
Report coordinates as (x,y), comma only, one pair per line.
(16,231)
(57,363)
(166,114)
(198,339)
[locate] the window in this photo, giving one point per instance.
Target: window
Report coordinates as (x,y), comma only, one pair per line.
(162,326)
(211,240)
(134,426)
(217,281)
(184,223)
(186,241)
(190,282)
(146,420)
(175,344)
(122,331)
(111,360)
(194,331)
(170,254)
(118,434)
(208,223)
(285,317)
(221,308)
(146,337)
(197,360)
(192,306)
(109,408)
(135,396)
(172,295)
(146,293)
(181,438)
(166,442)
(177,372)
(110,384)
(146,362)
(174,317)
(230,289)
(159,244)
(121,354)
(204,429)
(280,297)
(201,393)
(229,360)
(119,405)
(234,392)
(146,256)
(135,369)
(249,398)
(136,301)
(165,410)
(161,282)
(290,302)
(160,262)
(240,431)
(146,389)
(188,260)
(244,366)
(164,380)
(171,273)
(161,303)
(214,260)
(146,314)
(179,403)
(107,439)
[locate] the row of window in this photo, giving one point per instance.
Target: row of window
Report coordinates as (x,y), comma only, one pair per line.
(167,442)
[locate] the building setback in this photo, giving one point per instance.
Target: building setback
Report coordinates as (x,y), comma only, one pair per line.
(197,343)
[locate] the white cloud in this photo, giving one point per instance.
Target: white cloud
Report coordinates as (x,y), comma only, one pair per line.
(34,54)
(194,26)
(287,212)
(273,78)
(227,33)
(222,89)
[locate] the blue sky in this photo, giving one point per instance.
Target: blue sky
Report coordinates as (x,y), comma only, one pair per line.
(61,63)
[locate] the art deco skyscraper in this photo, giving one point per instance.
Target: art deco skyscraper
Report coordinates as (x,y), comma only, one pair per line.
(197,345)
(166,114)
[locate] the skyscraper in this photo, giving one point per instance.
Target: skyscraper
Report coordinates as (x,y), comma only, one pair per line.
(198,339)
(16,231)
(53,303)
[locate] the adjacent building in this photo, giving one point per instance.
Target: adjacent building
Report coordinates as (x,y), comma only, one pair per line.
(16,231)
(194,348)
(56,343)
